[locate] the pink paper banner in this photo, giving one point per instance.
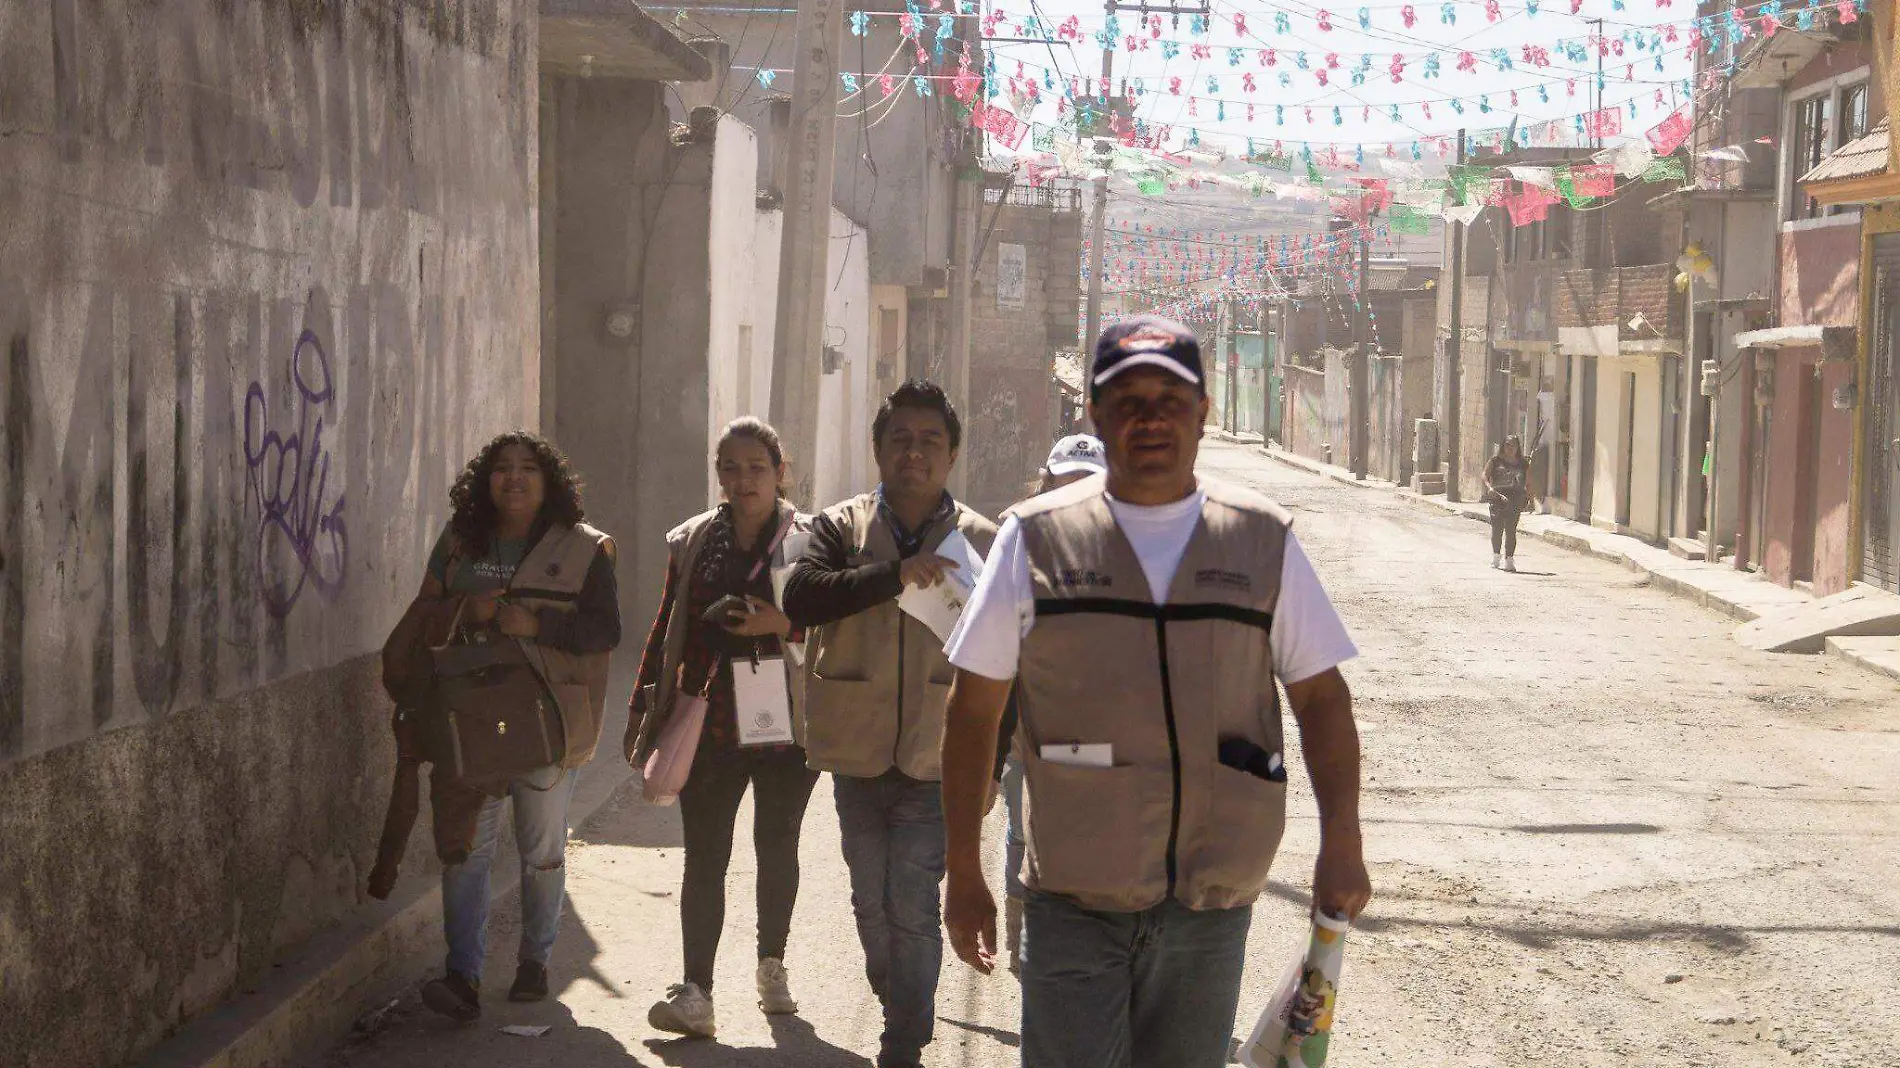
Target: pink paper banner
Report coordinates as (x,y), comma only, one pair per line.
(1004,126)
(1593,179)
(1671,133)
(1605,123)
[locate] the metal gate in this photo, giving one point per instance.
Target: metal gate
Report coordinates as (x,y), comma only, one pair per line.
(1880,531)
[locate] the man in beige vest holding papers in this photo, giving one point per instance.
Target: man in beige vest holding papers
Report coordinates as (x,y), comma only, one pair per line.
(875,692)
(1144,617)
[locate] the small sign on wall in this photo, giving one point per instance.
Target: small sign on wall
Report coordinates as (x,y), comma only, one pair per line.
(1012,276)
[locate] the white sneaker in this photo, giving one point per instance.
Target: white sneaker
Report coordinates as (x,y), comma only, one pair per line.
(686,1011)
(1510,564)
(775,989)
(1496,560)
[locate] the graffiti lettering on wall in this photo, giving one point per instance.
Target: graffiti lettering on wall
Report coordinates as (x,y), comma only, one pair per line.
(299,541)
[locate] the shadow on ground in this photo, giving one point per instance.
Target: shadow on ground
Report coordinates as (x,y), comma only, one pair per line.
(795,1042)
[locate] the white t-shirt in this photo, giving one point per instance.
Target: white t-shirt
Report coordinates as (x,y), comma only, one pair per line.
(1307,637)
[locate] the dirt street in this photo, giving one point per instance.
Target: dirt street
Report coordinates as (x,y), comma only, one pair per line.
(1600,832)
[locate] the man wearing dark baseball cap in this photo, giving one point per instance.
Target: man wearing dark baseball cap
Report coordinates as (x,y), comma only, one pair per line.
(1146,341)
(1144,618)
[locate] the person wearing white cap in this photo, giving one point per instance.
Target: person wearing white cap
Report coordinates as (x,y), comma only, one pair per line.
(1074,458)
(1145,618)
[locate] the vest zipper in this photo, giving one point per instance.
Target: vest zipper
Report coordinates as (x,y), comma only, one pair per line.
(1174,750)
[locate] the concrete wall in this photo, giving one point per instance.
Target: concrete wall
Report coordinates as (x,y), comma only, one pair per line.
(1628,437)
(846,402)
(1304,414)
(1389,435)
(1017,324)
(1746,227)
(244,247)
(849,396)
(627,269)
(1820,273)
(735,302)
(890,307)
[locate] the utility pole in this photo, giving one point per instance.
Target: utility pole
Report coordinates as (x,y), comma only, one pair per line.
(812,134)
(1267,429)
(1596,90)
(1098,215)
(1360,431)
(1450,433)
(1233,367)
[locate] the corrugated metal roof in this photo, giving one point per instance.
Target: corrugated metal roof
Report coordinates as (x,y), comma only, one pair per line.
(1860,158)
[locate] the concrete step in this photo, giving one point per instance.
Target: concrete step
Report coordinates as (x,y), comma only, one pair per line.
(1874,654)
(1858,612)
(1428,484)
(1688,549)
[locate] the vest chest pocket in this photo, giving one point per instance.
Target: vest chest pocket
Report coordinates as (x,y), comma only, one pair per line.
(1234,846)
(1099,835)
(843,650)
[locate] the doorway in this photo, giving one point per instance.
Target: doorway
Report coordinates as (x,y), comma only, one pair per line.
(1807,464)
(1880,532)
(1586,438)
(1626,477)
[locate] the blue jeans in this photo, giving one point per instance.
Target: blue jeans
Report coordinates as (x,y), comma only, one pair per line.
(1013,837)
(892,830)
(1151,989)
(541,839)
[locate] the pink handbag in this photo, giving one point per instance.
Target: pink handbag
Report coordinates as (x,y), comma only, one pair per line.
(671,762)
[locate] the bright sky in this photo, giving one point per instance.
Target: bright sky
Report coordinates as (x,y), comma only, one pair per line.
(1528,93)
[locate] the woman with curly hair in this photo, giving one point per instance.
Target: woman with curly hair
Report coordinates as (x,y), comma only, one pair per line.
(527,568)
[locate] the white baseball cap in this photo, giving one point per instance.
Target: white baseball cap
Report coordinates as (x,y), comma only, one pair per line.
(1077,454)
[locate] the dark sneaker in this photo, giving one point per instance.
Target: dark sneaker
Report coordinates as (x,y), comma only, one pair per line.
(531,982)
(455,996)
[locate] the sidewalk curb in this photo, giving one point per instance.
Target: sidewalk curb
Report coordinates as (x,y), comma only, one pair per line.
(1849,651)
(311,1003)
(1658,579)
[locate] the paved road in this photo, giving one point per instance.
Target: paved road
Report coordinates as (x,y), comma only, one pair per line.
(1600,833)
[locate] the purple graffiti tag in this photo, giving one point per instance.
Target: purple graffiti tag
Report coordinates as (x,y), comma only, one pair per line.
(299,543)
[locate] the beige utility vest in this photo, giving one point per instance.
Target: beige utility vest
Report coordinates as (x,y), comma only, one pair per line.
(878,681)
(551,578)
(683,546)
(1163,685)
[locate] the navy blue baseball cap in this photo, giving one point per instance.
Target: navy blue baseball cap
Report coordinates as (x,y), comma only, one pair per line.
(1147,341)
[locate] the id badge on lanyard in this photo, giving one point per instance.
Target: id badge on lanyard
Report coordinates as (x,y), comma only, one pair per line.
(762,701)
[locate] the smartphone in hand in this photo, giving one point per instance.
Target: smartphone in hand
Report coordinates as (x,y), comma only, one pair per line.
(726,611)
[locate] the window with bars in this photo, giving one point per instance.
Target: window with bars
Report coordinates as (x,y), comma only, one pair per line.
(1811,144)
(1820,123)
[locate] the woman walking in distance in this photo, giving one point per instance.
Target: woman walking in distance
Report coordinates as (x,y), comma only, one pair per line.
(1505,480)
(719,619)
(538,591)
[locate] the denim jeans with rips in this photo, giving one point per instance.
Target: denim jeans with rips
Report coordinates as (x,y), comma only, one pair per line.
(540,816)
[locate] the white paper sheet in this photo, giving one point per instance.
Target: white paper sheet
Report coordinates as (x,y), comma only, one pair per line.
(1080,754)
(939,607)
(796,542)
(763,702)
